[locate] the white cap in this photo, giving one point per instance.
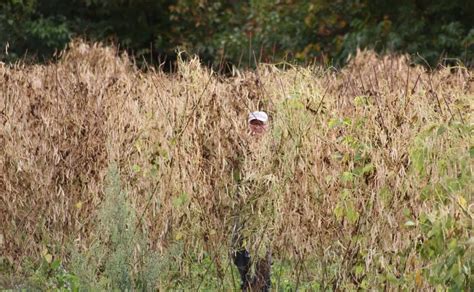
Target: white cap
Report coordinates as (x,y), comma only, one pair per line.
(259,116)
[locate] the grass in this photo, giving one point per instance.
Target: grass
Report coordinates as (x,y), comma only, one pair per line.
(363,182)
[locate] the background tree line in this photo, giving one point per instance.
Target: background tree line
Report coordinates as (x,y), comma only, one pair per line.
(241,31)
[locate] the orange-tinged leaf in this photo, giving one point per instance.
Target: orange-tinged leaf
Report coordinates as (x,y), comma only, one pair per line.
(418,278)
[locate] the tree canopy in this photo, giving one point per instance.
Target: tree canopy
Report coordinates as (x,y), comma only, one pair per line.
(242,31)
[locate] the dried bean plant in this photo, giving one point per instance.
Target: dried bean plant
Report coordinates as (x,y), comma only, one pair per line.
(364,179)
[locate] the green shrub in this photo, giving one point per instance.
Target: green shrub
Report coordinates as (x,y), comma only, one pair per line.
(119,257)
(243,32)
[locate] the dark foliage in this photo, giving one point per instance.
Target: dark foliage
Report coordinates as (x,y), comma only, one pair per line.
(241,32)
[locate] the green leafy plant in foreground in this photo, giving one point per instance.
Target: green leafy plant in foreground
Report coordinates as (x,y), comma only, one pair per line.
(119,257)
(51,274)
(442,159)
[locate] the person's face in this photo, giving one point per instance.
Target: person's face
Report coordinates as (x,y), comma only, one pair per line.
(257,127)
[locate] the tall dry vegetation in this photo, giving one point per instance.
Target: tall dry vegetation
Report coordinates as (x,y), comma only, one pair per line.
(363,180)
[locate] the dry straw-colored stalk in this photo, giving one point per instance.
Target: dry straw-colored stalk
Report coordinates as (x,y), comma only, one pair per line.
(179,140)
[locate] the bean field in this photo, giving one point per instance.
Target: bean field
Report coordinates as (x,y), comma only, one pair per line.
(113,177)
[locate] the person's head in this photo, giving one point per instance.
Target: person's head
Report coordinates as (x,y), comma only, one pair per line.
(258,123)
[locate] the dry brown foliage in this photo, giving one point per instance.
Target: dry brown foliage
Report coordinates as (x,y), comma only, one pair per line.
(178,139)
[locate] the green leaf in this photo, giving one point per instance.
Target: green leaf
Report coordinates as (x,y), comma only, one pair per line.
(441,130)
(338,211)
(295,103)
(368,168)
(351,141)
(453,244)
(334,123)
(55,264)
(347,176)
(351,213)
(346,194)
(347,121)
(360,100)
(154,170)
(136,168)
(180,200)
(386,195)
(359,270)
